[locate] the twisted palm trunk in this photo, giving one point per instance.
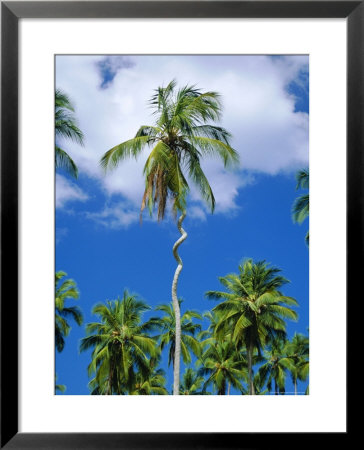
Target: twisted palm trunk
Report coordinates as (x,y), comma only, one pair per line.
(177,313)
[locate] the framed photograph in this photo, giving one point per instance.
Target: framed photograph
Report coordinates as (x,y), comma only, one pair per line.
(174,221)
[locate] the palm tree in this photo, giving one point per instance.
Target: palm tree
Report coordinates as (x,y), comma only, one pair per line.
(223,365)
(65,290)
(180,136)
(120,343)
(301,208)
(275,368)
(297,350)
(66,127)
(214,318)
(191,383)
(257,389)
(167,336)
(303,370)
(253,309)
(152,383)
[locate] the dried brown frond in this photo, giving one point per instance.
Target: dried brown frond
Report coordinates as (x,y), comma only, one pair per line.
(147,193)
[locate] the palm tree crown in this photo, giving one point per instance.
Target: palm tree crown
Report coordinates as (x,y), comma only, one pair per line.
(297,350)
(120,345)
(167,337)
(275,368)
(253,309)
(179,137)
(64,290)
(152,382)
(191,383)
(223,365)
(66,127)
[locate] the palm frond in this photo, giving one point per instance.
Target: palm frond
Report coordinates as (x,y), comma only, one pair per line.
(128,149)
(64,161)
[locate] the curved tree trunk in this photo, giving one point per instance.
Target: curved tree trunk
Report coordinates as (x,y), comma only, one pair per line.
(177,313)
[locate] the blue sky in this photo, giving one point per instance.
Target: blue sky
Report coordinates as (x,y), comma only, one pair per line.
(99,241)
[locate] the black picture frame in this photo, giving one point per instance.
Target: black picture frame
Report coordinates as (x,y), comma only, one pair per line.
(11,12)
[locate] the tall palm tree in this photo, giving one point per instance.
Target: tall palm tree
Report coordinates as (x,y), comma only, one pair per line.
(66,127)
(167,336)
(180,136)
(254,308)
(223,365)
(191,383)
(301,206)
(297,350)
(120,345)
(65,290)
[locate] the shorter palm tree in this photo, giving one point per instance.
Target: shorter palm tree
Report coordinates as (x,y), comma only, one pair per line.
(191,383)
(224,366)
(257,389)
(303,369)
(301,206)
(276,367)
(214,318)
(167,326)
(151,383)
(65,290)
(120,345)
(254,309)
(297,351)
(66,127)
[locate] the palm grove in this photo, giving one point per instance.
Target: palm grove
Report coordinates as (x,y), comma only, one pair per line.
(244,348)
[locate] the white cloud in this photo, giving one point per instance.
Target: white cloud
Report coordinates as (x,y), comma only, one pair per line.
(259,111)
(61,233)
(196,212)
(119,215)
(66,191)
